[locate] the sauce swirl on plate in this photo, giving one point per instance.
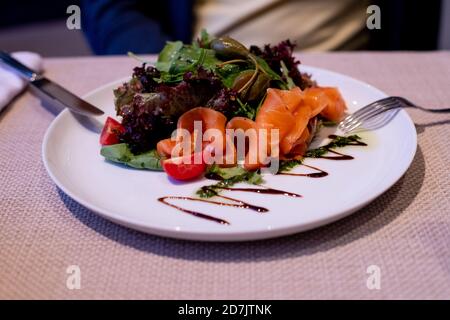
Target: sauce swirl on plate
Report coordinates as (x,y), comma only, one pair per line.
(337,142)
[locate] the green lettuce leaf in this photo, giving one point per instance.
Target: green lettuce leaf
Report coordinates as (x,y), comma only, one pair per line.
(120,153)
(176,59)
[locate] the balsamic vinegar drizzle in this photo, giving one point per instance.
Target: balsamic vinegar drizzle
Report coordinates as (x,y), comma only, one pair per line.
(213,176)
(319,174)
(320,153)
(236,203)
(355,143)
(194,213)
(264,191)
(340,156)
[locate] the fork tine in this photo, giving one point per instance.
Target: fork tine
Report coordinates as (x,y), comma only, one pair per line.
(369,108)
(357,121)
(363,111)
(371,105)
(360,120)
(386,107)
(368,114)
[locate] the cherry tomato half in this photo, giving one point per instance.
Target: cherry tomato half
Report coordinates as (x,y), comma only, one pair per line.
(184,168)
(111,131)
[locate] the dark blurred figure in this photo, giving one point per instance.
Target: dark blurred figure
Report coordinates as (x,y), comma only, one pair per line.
(117,26)
(407,25)
(143,26)
(40,26)
(20,12)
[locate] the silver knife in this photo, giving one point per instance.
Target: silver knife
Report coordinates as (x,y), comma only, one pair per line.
(50,90)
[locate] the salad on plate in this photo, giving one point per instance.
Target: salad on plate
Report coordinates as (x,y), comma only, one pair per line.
(215,109)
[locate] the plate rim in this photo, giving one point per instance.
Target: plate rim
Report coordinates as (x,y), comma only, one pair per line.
(236,235)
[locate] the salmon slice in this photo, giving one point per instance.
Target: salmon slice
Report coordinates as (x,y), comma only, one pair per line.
(272,96)
(335,110)
(299,148)
(241,123)
(302,116)
(291,98)
(301,145)
(291,116)
(316,99)
(281,110)
(169,148)
(326,101)
(289,111)
(209,119)
(236,123)
(252,144)
(274,114)
(164,147)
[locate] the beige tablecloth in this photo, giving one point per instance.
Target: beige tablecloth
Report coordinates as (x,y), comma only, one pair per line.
(405,232)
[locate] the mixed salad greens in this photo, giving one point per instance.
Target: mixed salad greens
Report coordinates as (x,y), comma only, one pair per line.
(219,74)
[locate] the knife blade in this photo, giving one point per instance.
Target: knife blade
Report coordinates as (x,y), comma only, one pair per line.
(50,90)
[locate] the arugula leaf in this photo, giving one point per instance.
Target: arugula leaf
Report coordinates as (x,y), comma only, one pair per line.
(229,72)
(269,72)
(288,165)
(121,153)
(337,142)
(168,55)
(230,177)
(265,67)
(245,109)
(341,141)
(176,59)
(191,58)
(316,153)
(226,173)
(285,71)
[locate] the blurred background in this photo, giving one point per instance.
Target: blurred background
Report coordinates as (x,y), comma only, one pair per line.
(118,26)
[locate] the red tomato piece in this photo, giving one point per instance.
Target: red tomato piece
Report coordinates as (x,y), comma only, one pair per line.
(111,131)
(184,168)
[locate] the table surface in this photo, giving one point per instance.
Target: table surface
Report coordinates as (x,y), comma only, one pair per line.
(405,232)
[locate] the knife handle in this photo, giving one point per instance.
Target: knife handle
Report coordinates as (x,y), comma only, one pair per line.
(23,70)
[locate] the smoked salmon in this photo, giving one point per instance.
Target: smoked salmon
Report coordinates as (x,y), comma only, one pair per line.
(287,111)
(254,155)
(283,110)
(206,118)
(326,101)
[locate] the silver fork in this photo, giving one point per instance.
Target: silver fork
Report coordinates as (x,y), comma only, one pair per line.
(356,119)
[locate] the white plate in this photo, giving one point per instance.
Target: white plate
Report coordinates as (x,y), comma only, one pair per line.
(129,197)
